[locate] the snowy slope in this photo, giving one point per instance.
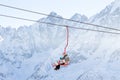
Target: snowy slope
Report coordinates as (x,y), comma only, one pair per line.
(27,53)
(26,48)
(1,39)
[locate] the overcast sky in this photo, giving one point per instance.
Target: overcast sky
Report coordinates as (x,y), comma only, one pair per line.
(65,8)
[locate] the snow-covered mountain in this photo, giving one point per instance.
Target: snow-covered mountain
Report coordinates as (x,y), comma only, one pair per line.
(27,53)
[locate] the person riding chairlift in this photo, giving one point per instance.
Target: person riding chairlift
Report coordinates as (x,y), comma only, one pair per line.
(64,61)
